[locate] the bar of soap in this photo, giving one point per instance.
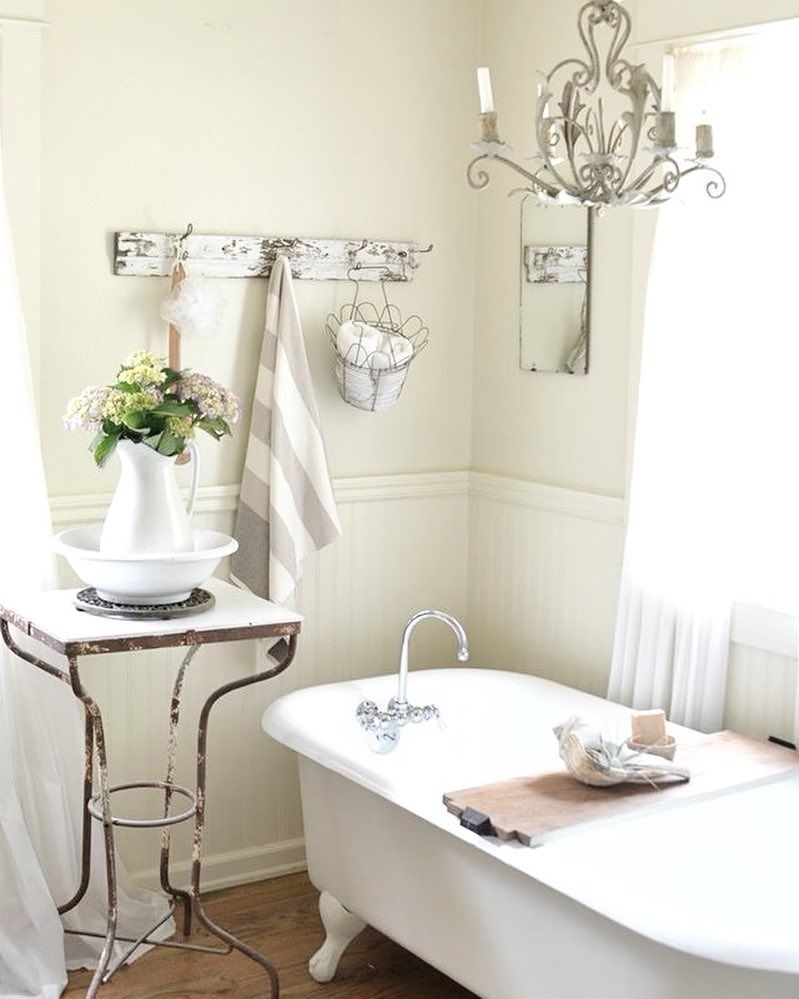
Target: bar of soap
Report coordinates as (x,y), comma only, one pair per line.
(649,727)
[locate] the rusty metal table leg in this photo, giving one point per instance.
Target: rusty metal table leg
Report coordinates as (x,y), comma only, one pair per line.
(86,837)
(112,912)
(199,826)
(177,894)
(94,743)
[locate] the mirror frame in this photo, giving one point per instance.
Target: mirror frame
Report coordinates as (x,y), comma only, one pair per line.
(523,281)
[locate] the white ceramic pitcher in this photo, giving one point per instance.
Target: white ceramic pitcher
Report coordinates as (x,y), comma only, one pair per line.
(147,515)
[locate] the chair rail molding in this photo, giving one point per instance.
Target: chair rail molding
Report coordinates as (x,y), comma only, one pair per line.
(556,499)
(32,12)
(84,508)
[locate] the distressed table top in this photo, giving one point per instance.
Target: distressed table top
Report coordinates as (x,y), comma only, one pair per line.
(52,618)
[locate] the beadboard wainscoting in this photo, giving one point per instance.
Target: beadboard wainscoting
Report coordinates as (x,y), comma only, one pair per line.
(404,547)
(544,566)
(544,570)
(533,571)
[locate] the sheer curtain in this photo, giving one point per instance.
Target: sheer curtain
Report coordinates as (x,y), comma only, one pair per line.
(712,517)
(41,726)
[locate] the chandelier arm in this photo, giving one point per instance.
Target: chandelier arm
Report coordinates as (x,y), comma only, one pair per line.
(645,176)
(480,179)
(534,178)
(716,188)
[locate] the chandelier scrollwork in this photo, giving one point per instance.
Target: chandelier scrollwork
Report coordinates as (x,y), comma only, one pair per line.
(593,117)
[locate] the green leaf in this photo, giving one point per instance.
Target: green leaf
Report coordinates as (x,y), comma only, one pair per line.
(212,427)
(210,432)
(169,444)
(157,424)
(105,448)
(217,427)
(127,387)
(171,407)
(171,376)
(136,420)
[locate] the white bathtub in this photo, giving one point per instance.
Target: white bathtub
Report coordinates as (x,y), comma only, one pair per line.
(697,902)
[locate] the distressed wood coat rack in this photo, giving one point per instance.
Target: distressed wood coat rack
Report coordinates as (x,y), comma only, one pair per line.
(152,254)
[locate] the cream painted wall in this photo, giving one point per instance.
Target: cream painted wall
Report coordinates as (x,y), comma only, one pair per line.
(285,117)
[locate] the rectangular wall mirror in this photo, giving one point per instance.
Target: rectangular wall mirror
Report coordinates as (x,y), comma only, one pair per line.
(555,283)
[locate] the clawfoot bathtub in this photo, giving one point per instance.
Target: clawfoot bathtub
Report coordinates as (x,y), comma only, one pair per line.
(695,902)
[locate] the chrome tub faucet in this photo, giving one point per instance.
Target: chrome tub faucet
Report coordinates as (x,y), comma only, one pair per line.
(383,727)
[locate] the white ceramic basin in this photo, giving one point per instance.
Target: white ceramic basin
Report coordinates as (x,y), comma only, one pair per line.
(142,579)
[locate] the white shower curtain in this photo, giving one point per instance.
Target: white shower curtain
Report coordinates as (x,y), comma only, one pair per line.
(41,724)
(714,485)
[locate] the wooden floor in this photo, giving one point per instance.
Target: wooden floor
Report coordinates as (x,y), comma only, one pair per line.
(280,918)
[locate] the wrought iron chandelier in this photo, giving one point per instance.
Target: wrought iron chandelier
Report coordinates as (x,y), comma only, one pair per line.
(591,146)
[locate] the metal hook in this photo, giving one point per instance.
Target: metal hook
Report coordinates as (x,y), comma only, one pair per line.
(353,253)
(181,253)
(412,261)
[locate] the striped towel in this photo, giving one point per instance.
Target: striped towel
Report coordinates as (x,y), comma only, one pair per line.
(286,507)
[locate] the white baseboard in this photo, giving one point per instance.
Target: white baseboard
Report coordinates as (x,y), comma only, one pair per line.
(226,870)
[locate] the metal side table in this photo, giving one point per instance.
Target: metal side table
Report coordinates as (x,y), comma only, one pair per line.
(52,619)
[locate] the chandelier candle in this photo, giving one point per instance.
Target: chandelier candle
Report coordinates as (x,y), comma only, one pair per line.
(666,133)
(486,91)
(489,131)
(704,141)
(667,83)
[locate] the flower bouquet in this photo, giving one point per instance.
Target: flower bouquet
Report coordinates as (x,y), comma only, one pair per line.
(152,404)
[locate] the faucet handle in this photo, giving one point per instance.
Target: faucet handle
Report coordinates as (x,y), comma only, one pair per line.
(383,727)
(405,712)
(366,710)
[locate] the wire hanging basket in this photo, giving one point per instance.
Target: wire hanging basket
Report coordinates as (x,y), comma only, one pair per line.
(374,347)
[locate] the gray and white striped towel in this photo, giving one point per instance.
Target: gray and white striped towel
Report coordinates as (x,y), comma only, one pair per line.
(286,507)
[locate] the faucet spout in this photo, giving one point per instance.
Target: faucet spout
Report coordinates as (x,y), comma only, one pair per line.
(437,615)
(383,727)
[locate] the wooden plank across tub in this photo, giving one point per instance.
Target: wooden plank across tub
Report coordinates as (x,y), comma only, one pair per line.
(534,810)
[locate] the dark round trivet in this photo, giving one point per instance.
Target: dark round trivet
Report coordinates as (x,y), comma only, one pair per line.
(199,602)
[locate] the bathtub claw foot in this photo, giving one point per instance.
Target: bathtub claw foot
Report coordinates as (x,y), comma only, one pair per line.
(341,927)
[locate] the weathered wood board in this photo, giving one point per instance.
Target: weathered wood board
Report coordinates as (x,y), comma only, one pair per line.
(535,810)
(556,264)
(152,254)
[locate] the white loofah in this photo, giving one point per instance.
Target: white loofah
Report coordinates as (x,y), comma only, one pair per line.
(195,307)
